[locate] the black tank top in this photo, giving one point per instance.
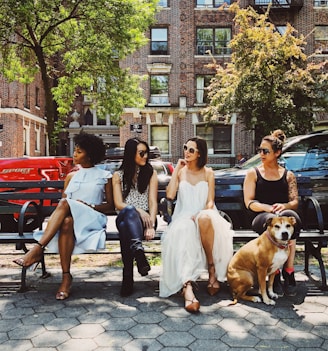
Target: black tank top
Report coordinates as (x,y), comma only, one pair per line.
(271,191)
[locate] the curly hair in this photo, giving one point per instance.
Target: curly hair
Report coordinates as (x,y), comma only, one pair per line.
(129,167)
(276,139)
(92,145)
(202,150)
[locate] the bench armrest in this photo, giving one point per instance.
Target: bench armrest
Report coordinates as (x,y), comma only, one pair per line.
(311,202)
(22,213)
(165,209)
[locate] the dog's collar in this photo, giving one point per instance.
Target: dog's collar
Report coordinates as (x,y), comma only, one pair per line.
(279,245)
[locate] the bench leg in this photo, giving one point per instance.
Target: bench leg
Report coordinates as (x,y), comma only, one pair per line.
(23,286)
(310,249)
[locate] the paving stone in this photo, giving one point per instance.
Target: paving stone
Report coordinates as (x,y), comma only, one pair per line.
(177,324)
(50,339)
(176,339)
(86,331)
(117,323)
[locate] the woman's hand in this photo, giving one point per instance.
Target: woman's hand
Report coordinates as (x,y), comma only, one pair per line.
(277,208)
(149,233)
(146,219)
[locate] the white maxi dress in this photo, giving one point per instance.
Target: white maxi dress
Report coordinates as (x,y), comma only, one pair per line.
(183,257)
(87,185)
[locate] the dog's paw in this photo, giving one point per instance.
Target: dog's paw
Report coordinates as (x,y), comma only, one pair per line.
(269,302)
(273,295)
(256,299)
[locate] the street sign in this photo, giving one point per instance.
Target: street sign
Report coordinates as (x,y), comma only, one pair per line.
(136,127)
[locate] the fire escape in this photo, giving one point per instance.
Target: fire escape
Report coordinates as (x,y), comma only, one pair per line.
(280,9)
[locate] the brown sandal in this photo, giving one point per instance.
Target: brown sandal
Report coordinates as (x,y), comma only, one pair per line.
(193,306)
(211,289)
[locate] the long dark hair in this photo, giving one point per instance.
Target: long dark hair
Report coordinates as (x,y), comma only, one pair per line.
(202,150)
(129,167)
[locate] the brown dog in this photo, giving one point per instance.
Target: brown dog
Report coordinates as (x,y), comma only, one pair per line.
(259,258)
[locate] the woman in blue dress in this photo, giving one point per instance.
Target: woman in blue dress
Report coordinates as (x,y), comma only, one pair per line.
(79,222)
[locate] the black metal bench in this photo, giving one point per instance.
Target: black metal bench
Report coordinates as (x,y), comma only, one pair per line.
(44,195)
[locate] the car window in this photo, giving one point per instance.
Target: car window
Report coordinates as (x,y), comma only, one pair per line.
(307,155)
(159,168)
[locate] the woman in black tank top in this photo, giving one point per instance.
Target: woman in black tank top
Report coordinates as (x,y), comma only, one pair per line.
(271,190)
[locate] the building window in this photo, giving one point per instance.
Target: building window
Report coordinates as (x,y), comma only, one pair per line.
(202,82)
(163,3)
(158,41)
(218,137)
(37,96)
(281,29)
(211,3)
(26,96)
(160,137)
(26,141)
(214,40)
(320,3)
(321,39)
(159,89)
(37,139)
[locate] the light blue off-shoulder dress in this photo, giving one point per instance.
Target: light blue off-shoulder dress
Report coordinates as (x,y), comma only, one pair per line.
(88,185)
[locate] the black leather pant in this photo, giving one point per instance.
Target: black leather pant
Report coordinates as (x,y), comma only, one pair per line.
(259,222)
(131,233)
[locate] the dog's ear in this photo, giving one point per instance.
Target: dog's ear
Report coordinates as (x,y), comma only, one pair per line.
(293,220)
(268,222)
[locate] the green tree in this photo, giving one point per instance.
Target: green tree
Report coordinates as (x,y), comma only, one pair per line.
(270,82)
(75,45)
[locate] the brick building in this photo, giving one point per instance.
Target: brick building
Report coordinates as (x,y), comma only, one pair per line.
(175,62)
(23,126)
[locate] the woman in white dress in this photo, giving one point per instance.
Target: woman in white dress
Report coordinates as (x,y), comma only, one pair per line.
(198,238)
(78,223)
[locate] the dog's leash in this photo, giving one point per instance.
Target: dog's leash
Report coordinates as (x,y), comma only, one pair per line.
(279,245)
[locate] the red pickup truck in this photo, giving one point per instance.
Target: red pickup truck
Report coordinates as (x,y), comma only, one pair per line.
(29,169)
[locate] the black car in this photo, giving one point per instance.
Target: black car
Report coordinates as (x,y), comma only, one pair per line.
(304,155)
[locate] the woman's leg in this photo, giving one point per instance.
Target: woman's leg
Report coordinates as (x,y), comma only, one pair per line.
(131,230)
(207,237)
(55,221)
(66,242)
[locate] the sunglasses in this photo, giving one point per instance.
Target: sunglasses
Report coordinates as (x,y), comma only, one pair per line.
(191,150)
(265,151)
(142,153)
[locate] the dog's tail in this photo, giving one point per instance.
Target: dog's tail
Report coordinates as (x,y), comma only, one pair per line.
(235,300)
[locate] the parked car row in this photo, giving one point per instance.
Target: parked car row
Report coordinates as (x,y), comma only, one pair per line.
(305,155)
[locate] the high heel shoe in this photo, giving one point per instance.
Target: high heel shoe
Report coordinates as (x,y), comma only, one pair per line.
(33,266)
(63,295)
(211,289)
(194,305)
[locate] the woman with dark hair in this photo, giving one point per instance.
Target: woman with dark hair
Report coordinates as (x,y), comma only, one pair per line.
(271,190)
(79,220)
(135,198)
(198,239)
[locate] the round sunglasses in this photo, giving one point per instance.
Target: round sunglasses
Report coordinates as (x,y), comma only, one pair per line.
(191,150)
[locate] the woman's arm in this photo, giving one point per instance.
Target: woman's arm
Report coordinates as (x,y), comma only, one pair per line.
(107,206)
(211,188)
(292,191)
(249,187)
(172,187)
(117,192)
(152,198)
